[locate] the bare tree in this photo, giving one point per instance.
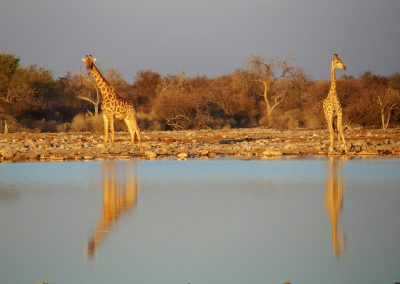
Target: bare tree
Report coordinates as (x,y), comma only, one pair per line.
(85,89)
(279,78)
(388,102)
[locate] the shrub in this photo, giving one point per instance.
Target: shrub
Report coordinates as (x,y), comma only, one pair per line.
(82,123)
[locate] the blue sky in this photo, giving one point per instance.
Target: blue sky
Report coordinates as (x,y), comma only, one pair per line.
(201,37)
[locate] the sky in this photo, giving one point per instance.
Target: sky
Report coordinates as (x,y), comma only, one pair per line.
(202,37)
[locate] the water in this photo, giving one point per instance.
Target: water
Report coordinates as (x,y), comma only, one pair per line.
(221,221)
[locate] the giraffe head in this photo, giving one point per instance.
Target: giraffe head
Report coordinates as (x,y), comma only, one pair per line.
(337,62)
(89,60)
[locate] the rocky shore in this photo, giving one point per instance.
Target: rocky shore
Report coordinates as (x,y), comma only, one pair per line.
(252,143)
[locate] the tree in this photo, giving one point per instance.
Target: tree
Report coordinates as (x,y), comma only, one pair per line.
(230,93)
(8,67)
(15,88)
(145,88)
(84,88)
(279,78)
(388,101)
(172,101)
(115,78)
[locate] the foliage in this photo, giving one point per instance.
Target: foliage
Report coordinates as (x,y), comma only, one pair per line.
(32,100)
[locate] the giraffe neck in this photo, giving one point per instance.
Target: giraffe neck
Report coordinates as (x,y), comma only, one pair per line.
(333,81)
(101,82)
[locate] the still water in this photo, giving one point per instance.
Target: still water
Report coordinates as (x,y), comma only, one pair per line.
(220,221)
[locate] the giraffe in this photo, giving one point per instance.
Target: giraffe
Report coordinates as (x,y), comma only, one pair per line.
(113,105)
(334,202)
(119,197)
(332,106)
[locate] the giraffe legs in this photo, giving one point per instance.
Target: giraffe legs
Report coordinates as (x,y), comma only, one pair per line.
(329,121)
(105,121)
(128,123)
(112,131)
(133,131)
(137,132)
(340,130)
(331,134)
(341,139)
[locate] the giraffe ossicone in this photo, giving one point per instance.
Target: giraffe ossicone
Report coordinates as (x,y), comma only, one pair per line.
(113,105)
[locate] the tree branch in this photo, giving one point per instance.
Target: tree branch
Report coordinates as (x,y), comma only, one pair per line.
(87,99)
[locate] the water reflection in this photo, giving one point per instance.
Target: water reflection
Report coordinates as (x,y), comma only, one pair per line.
(334,202)
(119,197)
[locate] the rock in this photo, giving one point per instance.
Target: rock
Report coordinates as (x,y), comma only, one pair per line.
(87,157)
(212,155)
(55,158)
(204,152)
(150,155)
(271,153)
(182,156)
(43,157)
(288,147)
(6,154)
(163,151)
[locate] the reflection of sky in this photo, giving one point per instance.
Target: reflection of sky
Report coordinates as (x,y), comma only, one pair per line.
(47,173)
(275,171)
(198,221)
(279,171)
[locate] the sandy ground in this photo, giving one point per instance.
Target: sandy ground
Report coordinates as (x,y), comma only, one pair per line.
(250,143)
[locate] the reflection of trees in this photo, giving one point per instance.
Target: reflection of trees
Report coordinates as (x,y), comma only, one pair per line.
(334,202)
(119,197)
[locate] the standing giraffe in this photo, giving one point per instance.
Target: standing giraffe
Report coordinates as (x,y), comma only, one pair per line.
(332,105)
(113,105)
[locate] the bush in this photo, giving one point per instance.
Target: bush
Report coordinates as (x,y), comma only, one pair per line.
(13,126)
(82,123)
(64,127)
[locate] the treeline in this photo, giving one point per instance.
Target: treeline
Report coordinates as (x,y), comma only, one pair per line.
(270,92)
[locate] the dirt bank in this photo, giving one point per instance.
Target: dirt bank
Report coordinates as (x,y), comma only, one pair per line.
(253,143)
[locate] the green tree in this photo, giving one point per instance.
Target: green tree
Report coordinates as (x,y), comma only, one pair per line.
(15,89)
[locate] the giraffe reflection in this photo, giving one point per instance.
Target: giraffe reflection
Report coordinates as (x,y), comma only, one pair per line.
(119,197)
(334,202)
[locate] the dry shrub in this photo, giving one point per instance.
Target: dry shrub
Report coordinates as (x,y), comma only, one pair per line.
(148,121)
(179,109)
(82,123)
(79,123)
(13,126)
(291,119)
(312,122)
(314,117)
(44,126)
(64,127)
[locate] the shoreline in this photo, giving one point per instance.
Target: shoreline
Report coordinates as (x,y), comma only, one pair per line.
(243,144)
